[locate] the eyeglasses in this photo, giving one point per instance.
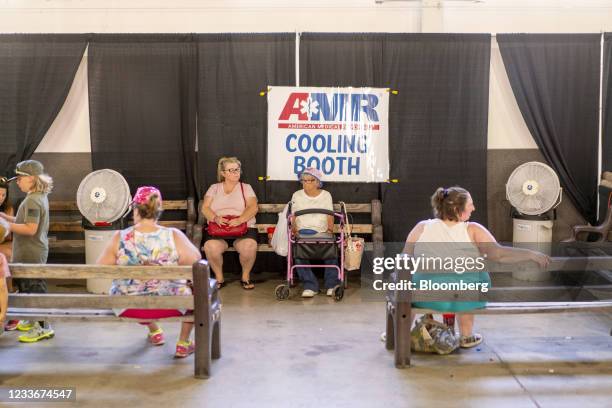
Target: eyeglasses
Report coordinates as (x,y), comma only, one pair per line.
(233,171)
(309,180)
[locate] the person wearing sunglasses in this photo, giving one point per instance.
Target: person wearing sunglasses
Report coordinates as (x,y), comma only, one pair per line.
(313,196)
(231,203)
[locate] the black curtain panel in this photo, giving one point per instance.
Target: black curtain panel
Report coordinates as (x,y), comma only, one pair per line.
(606,154)
(36,72)
(142,104)
(343,59)
(233,69)
(437,123)
(555,80)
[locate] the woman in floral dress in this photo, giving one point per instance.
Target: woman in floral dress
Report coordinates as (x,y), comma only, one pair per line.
(148,243)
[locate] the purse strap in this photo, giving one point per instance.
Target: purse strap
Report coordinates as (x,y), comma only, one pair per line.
(243,198)
(348,230)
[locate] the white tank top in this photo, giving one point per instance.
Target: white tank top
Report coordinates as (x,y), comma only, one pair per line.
(441,240)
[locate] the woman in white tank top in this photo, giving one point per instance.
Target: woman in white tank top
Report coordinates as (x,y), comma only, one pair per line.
(450,235)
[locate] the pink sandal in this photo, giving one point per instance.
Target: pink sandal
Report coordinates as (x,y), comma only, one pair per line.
(157,337)
(184,349)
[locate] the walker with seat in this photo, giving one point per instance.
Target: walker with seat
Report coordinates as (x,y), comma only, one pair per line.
(319,246)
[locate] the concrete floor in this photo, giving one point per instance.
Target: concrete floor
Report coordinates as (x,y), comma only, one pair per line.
(318,353)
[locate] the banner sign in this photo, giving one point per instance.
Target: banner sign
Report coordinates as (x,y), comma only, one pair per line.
(341,131)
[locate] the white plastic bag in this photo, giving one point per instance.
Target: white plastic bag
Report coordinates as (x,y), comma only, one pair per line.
(280,239)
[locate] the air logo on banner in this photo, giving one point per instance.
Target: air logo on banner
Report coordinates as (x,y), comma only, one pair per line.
(341,131)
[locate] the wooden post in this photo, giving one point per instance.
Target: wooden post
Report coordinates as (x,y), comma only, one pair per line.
(191,218)
(402,334)
(202,318)
(215,318)
(403,321)
(377,229)
(216,340)
(390,332)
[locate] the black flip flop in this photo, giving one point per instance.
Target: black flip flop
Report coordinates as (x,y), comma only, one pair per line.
(245,285)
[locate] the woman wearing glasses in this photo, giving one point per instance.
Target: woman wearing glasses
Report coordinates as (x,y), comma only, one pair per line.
(312,196)
(231,203)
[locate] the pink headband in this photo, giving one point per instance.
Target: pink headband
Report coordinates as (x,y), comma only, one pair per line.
(143,193)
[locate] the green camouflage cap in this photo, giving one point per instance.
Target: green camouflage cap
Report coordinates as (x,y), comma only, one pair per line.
(29,168)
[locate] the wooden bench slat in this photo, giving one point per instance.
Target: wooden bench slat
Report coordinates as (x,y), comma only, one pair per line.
(532,307)
(74,271)
(86,301)
(66,243)
(72,205)
(174,205)
(76,226)
(350,208)
(63,206)
(355,228)
(66,226)
(81,315)
(174,224)
(267,248)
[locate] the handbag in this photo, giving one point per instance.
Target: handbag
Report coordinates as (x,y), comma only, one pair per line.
(353,252)
(431,336)
(225,231)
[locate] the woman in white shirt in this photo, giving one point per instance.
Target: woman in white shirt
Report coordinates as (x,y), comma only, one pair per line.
(312,196)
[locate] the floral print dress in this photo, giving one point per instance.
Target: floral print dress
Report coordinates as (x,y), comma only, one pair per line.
(150,248)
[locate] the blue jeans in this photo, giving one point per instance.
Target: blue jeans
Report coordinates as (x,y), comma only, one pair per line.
(310,280)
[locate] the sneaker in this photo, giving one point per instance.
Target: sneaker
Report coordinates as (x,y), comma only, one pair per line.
(25,325)
(470,341)
(157,337)
(37,333)
(184,348)
(308,293)
(11,325)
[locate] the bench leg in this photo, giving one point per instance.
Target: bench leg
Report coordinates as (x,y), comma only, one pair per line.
(402,334)
(202,351)
(390,339)
(202,320)
(216,340)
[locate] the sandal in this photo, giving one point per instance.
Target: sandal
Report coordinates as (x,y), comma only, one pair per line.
(220,285)
(247,285)
(157,337)
(470,341)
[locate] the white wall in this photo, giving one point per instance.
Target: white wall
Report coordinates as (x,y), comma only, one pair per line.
(507,130)
(70,130)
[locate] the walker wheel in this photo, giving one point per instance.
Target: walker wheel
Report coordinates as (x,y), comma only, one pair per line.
(338,293)
(282,292)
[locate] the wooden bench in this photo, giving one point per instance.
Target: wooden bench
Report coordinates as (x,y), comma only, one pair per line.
(373,230)
(399,308)
(65,219)
(205,302)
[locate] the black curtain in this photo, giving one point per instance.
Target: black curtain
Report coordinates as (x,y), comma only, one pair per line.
(36,72)
(342,59)
(606,154)
(232,115)
(438,123)
(142,104)
(555,80)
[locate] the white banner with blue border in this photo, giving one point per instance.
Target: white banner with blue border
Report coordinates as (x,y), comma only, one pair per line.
(341,131)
